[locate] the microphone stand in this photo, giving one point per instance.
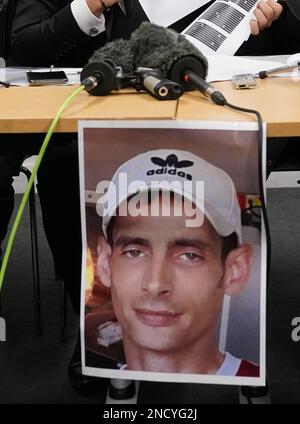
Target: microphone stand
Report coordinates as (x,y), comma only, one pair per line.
(5,83)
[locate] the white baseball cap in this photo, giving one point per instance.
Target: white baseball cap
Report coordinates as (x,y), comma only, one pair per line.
(177,171)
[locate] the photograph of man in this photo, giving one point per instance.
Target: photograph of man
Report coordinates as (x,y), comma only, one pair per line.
(171,250)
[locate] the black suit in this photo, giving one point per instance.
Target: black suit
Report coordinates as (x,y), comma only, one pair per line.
(45,33)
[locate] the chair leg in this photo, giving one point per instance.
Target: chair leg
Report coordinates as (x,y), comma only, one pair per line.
(35,258)
(36,272)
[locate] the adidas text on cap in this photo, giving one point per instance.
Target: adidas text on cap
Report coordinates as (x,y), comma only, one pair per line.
(178,171)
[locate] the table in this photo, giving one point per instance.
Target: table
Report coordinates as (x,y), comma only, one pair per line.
(277,99)
(31,109)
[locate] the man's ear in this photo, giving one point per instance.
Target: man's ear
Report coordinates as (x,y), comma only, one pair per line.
(104,254)
(237,269)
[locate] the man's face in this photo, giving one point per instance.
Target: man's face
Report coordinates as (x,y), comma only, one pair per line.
(166,280)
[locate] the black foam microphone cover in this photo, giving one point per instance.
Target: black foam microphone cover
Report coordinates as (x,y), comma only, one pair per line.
(102,66)
(164,49)
(118,52)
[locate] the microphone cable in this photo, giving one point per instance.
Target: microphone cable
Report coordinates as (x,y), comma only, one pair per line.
(30,183)
(218,98)
(261,178)
(221,100)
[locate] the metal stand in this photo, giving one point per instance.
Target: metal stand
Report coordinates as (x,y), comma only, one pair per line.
(122,392)
(254,395)
(34,258)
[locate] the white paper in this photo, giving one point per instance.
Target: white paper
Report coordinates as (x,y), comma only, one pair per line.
(222,67)
(166,12)
(222,28)
(293,59)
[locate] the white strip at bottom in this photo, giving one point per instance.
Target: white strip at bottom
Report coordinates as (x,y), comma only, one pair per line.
(284,179)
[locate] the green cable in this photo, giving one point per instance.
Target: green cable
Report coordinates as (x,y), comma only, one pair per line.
(31,181)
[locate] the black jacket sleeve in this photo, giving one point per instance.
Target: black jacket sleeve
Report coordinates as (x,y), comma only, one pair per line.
(282,38)
(45,33)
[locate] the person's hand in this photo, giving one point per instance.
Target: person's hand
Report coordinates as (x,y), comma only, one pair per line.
(265,13)
(98,6)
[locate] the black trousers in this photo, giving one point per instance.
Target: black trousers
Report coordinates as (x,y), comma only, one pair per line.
(58,188)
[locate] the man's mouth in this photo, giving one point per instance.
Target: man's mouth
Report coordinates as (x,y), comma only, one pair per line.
(154,318)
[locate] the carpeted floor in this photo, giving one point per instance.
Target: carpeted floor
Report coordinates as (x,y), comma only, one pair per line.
(33,369)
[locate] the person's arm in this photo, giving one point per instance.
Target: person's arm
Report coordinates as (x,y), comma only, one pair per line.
(45,31)
(266,13)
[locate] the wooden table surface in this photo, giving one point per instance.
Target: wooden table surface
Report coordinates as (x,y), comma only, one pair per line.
(31,109)
(277,99)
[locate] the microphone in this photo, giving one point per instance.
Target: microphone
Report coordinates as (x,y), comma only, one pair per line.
(100,78)
(160,87)
(119,52)
(6,84)
(105,70)
(177,58)
(111,68)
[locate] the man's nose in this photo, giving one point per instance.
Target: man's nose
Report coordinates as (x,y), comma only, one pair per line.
(157,281)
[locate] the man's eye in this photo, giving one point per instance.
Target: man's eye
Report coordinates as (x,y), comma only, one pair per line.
(190,256)
(133,253)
